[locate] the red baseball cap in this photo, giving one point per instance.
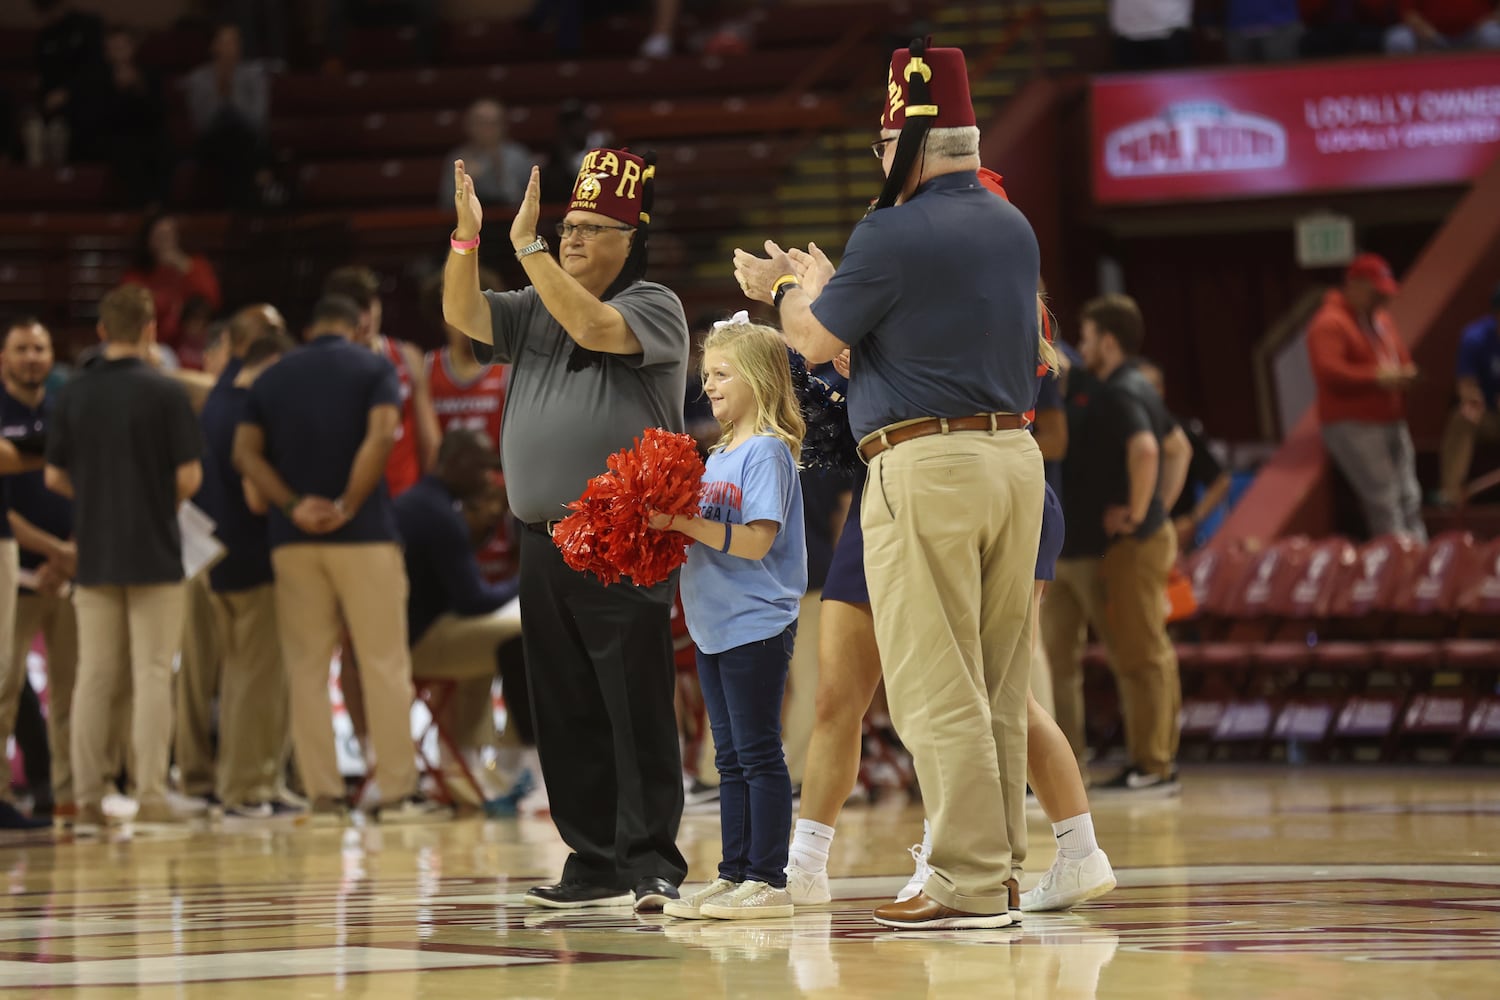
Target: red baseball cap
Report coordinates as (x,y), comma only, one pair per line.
(1373,268)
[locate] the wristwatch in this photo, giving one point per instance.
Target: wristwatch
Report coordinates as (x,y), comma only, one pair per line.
(537,245)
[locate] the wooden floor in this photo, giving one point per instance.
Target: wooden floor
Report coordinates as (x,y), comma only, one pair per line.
(1305,883)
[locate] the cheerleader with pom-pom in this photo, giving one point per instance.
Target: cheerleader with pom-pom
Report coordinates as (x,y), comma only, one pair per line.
(741,590)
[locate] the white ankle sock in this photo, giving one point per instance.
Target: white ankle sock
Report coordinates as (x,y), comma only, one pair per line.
(810,845)
(1075,837)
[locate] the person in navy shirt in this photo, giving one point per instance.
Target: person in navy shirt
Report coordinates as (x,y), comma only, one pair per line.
(253,688)
(316,433)
(936,296)
(1477,417)
(451,613)
(42,523)
(741,590)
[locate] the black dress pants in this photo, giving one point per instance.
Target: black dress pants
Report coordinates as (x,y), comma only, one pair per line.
(602,680)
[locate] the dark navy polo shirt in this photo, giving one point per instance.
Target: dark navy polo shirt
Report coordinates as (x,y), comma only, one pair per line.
(314,407)
(938,298)
(442,568)
(121,431)
(27,493)
(247,560)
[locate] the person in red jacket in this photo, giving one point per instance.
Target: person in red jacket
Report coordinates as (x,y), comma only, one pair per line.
(1363,370)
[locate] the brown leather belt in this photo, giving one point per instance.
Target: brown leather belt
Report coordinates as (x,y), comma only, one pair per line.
(938,425)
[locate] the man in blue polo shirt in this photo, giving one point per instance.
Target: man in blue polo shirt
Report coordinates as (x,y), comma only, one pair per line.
(1478,414)
(943,364)
(317,429)
(242,602)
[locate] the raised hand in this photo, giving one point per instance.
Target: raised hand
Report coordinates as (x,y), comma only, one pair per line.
(757,275)
(812,268)
(523,227)
(466,204)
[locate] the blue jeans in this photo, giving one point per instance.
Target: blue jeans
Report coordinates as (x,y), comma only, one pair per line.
(743,689)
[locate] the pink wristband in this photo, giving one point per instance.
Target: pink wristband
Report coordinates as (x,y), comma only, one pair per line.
(464,246)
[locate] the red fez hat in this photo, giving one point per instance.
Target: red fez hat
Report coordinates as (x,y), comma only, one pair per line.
(947,81)
(613,182)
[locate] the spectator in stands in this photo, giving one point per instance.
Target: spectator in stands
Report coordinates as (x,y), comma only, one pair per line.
(130,128)
(1151,34)
(1339,27)
(229,104)
(1363,371)
(1477,417)
(209,619)
(26,358)
(1266,31)
(124,444)
(1207,484)
(69,51)
(1445,24)
(173,276)
(334,547)
(573,137)
(457,620)
(500,168)
(253,727)
(1124,469)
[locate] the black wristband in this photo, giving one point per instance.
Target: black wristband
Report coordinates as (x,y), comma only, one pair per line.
(780,293)
(290,506)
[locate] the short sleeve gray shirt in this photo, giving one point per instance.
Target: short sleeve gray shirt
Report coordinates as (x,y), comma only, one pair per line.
(559,426)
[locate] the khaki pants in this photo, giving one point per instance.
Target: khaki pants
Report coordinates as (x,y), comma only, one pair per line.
(55,619)
(12,668)
(951,524)
(125,635)
(319,589)
(1074,600)
(253,731)
(1133,575)
(196,687)
(1459,438)
(1380,464)
(462,648)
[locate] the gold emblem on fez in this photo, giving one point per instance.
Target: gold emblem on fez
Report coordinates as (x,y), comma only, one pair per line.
(588,187)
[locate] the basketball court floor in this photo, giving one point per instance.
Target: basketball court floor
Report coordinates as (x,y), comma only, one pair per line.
(1257,882)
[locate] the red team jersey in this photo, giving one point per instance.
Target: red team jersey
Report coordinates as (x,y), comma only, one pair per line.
(404,467)
(478,404)
(475,405)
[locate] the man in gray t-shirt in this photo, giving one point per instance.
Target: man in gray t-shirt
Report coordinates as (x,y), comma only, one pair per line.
(597,356)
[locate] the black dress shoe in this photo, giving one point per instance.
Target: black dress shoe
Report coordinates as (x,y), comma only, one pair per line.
(651,894)
(577,895)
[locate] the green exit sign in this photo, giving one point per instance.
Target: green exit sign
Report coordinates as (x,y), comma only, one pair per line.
(1325,240)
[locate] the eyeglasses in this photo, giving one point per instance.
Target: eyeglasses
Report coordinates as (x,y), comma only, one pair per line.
(878,146)
(587,231)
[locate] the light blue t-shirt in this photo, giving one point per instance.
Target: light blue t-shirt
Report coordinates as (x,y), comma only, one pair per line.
(731,601)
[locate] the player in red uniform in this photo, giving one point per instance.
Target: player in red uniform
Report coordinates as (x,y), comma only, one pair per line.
(418,436)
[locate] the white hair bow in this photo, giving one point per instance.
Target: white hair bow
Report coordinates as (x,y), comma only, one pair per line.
(741,318)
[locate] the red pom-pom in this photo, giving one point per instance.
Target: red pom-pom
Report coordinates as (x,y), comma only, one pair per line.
(609,534)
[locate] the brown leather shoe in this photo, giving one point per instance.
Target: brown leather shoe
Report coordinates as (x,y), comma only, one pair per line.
(923,913)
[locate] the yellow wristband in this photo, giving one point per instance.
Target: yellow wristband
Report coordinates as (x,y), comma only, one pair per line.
(785,279)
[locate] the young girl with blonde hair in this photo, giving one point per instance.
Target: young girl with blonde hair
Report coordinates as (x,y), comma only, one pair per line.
(741,591)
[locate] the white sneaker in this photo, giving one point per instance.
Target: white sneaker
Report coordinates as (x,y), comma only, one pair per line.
(919,854)
(750,901)
(1068,883)
(687,908)
(413,810)
(807,888)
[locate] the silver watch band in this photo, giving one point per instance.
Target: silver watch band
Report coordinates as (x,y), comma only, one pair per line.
(535,246)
